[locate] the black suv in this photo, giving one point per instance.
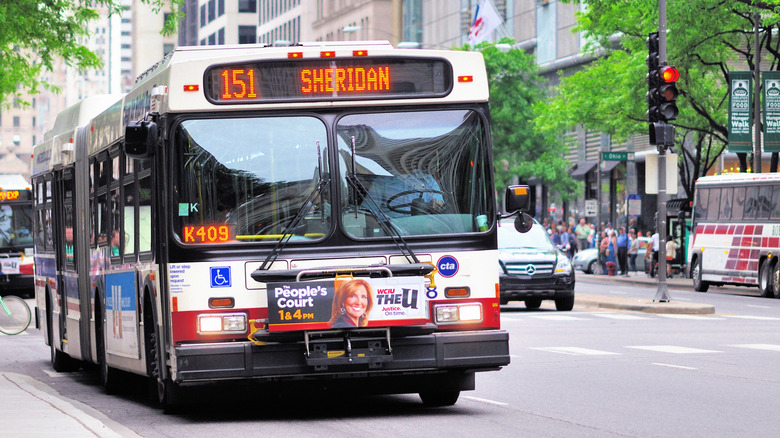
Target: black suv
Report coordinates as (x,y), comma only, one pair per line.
(533,269)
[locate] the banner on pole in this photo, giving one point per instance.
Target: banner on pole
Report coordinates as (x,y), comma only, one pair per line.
(771,110)
(740,111)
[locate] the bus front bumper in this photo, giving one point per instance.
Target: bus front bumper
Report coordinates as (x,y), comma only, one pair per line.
(434,353)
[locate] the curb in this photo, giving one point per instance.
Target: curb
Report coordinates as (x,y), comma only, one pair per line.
(642,305)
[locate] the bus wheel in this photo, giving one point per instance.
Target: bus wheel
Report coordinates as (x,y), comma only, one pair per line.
(167,391)
(776,280)
(60,362)
(108,376)
(765,277)
(698,284)
(439,398)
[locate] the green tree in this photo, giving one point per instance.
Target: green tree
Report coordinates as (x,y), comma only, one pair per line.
(35,33)
(706,39)
(519,148)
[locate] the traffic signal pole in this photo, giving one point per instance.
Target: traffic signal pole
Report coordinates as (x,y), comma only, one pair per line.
(662,294)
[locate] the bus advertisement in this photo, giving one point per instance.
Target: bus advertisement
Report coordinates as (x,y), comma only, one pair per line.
(16,239)
(736,232)
(320,213)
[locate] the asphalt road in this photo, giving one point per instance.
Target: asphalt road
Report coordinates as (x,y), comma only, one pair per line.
(583,373)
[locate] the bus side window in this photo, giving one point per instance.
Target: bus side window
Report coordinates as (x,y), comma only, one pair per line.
(764,202)
(751,203)
(725,203)
(713,204)
(700,210)
(775,214)
(145,213)
(129,224)
(738,207)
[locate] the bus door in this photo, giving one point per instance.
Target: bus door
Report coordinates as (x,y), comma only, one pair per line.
(59,239)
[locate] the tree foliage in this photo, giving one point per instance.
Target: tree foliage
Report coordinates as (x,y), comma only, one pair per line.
(520,149)
(706,39)
(34,34)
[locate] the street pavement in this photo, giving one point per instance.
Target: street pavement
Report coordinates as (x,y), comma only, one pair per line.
(59,416)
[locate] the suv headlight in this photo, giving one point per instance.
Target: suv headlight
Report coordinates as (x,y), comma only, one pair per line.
(563,266)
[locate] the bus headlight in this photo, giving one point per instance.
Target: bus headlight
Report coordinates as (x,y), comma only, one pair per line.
(213,323)
(458,313)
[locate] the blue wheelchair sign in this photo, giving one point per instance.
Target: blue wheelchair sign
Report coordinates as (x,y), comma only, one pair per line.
(220,276)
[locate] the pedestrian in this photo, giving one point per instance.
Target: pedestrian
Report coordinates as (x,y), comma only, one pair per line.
(671,254)
(582,231)
(622,249)
(633,249)
(651,254)
(603,251)
(573,245)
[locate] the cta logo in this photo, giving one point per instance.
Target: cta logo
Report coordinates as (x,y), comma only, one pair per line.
(447,266)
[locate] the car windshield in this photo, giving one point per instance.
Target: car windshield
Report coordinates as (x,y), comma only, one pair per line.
(510,238)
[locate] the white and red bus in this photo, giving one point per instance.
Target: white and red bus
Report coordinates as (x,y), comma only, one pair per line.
(320,212)
(736,232)
(16,235)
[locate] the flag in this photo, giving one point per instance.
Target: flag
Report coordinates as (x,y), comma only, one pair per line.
(486,20)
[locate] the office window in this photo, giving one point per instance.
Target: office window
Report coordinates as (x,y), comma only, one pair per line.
(247,34)
(202,15)
(17,123)
(220,8)
(247,6)
(212,10)
(213,39)
(221,36)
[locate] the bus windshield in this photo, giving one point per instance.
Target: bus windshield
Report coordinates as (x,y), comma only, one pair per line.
(426,171)
(245,179)
(16,225)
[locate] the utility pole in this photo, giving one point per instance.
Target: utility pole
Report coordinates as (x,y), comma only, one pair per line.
(757,98)
(662,294)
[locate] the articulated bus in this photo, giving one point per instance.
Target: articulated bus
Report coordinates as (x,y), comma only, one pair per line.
(321,214)
(736,232)
(16,238)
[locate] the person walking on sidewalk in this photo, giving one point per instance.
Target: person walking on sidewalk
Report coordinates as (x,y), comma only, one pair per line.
(622,249)
(671,253)
(633,250)
(582,230)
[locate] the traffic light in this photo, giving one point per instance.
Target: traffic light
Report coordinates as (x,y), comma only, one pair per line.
(661,89)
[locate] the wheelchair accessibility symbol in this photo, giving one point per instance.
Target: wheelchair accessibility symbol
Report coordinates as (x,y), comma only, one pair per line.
(220,276)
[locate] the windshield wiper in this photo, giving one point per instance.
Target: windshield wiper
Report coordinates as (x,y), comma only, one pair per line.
(373,206)
(289,230)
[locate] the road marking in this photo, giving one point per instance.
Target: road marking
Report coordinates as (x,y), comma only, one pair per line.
(559,317)
(674,366)
(758,307)
(619,316)
(484,400)
(759,318)
(672,349)
(574,351)
(691,317)
(769,347)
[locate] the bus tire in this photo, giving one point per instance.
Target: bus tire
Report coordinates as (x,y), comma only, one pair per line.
(108,376)
(698,284)
(765,279)
(439,398)
(776,280)
(163,388)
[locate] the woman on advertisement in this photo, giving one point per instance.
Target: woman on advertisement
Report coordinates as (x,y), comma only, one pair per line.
(351,304)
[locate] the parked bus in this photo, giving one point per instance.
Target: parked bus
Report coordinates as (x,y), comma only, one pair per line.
(736,232)
(320,212)
(16,239)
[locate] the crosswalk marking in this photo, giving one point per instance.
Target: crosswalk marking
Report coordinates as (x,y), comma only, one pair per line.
(770,347)
(755,317)
(576,351)
(691,317)
(553,317)
(675,349)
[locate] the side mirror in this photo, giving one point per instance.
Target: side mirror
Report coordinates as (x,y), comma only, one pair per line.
(140,138)
(524,222)
(518,198)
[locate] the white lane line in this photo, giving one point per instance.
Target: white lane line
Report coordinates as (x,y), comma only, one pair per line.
(755,317)
(625,316)
(675,349)
(758,307)
(575,351)
(769,347)
(484,400)
(558,317)
(691,317)
(673,366)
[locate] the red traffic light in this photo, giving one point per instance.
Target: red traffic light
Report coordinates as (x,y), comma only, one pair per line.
(668,74)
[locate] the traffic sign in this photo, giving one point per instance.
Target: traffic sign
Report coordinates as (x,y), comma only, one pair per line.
(617,156)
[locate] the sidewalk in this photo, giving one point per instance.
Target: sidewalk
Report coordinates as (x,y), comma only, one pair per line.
(639,304)
(30,408)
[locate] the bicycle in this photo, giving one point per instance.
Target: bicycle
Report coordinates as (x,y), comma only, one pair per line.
(15,315)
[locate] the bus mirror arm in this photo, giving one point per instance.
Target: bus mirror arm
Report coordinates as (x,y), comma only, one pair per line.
(518,201)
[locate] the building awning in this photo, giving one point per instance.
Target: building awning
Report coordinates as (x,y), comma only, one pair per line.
(583,168)
(607,166)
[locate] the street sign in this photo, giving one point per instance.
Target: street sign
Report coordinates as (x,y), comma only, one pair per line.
(590,207)
(617,156)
